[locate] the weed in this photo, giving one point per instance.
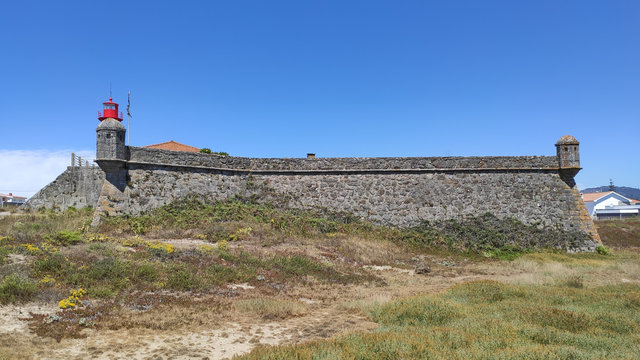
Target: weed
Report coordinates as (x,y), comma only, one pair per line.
(14,288)
(603,250)
(574,281)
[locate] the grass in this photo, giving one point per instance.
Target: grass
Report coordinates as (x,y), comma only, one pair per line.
(61,252)
(619,233)
(270,309)
(490,320)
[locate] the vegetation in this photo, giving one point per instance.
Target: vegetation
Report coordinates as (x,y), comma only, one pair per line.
(14,288)
(208,151)
(491,320)
(96,274)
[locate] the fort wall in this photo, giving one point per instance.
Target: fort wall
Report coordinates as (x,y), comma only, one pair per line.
(77,186)
(402,192)
(392,191)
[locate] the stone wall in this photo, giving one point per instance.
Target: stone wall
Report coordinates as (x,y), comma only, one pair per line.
(145,156)
(77,186)
(392,191)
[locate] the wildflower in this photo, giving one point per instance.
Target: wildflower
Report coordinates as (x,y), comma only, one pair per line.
(47,279)
(73,300)
(160,247)
(32,249)
(206,249)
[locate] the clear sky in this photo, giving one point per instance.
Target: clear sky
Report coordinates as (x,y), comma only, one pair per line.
(338,78)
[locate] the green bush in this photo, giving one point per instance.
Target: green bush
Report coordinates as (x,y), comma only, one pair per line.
(4,252)
(205,151)
(603,250)
(65,238)
(181,278)
(14,288)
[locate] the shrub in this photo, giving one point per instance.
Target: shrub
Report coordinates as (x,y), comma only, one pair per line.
(147,272)
(65,238)
(205,151)
(603,250)
(4,252)
(16,288)
(182,278)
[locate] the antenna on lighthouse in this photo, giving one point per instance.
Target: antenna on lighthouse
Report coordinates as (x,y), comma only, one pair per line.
(129,119)
(110,89)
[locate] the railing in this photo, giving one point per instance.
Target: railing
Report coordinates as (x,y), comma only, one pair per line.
(80,162)
(101,114)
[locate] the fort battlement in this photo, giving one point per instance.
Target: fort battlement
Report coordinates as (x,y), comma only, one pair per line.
(402,192)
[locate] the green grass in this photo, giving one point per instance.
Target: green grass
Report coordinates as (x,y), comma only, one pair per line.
(491,320)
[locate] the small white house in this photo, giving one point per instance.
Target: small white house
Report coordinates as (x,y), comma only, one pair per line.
(11,200)
(603,200)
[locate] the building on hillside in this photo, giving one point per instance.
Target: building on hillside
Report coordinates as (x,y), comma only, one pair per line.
(11,200)
(173,146)
(603,200)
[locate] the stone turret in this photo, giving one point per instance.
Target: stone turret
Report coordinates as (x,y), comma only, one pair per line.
(568,153)
(111,150)
(110,140)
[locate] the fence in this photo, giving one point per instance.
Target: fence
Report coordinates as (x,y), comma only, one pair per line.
(78,161)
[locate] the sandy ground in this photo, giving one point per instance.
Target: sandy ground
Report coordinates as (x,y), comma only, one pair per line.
(330,310)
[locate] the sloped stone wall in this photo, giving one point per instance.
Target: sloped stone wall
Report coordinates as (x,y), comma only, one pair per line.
(77,186)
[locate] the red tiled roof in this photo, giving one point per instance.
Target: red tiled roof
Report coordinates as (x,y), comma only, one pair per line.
(594,196)
(173,146)
(16,197)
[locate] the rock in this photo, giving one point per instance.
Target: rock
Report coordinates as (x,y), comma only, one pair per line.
(422,268)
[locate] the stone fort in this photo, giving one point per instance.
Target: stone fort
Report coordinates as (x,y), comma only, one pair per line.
(402,191)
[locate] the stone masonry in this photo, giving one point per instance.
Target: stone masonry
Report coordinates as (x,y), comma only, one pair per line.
(399,192)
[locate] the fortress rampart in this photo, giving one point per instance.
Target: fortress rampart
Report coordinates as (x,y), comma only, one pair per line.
(400,192)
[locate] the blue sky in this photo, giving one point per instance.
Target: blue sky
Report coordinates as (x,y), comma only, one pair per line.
(338,78)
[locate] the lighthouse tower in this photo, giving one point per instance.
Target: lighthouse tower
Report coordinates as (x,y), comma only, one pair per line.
(110,133)
(111,156)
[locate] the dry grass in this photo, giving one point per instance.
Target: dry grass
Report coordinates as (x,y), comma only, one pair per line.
(624,233)
(270,309)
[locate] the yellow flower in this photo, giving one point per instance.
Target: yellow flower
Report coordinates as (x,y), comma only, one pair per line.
(47,279)
(206,248)
(160,247)
(66,303)
(32,249)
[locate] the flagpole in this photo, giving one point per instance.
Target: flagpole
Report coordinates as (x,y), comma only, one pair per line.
(129,119)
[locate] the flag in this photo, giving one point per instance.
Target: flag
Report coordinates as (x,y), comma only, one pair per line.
(129,103)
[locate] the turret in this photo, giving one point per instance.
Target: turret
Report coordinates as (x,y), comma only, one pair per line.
(110,140)
(568,153)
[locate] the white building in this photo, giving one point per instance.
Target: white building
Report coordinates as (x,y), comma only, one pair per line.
(598,202)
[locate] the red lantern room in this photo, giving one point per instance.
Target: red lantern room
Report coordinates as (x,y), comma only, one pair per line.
(110,110)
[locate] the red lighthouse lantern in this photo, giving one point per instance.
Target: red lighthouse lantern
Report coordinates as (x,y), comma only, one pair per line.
(110,110)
